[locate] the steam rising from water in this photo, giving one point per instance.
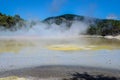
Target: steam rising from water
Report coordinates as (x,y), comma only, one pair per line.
(41,29)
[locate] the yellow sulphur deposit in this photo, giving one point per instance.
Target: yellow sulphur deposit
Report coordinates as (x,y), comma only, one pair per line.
(64,47)
(77,47)
(12,78)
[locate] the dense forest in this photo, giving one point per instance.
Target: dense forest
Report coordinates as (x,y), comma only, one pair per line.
(10,22)
(105,27)
(96,26)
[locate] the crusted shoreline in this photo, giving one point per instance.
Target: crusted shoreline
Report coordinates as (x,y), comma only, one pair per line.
(59,72)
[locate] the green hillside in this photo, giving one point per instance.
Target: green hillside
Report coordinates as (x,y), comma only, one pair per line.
(96,26)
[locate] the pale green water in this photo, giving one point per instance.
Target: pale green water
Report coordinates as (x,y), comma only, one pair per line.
(16,54)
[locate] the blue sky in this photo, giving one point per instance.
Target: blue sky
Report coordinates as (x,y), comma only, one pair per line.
(41,9)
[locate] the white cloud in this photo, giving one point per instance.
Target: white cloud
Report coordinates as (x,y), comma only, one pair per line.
(112,16)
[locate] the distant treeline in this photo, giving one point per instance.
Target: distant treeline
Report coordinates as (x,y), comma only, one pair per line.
(96,26)
(105,27)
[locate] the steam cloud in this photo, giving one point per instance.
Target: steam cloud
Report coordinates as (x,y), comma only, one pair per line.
(41,29)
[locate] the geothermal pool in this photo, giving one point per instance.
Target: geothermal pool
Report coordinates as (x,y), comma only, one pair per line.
(91,52)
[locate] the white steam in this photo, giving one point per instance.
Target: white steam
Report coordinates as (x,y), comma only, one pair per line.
(41,29)
(56,5)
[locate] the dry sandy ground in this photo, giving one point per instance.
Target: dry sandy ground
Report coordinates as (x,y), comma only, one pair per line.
(58,72)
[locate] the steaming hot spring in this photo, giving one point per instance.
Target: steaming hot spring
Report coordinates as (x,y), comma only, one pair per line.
(51,51)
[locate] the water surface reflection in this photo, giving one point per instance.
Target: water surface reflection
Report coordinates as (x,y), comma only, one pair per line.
(16,54)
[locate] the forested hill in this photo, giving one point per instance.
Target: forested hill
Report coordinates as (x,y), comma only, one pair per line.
(96,26)
(9,22)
